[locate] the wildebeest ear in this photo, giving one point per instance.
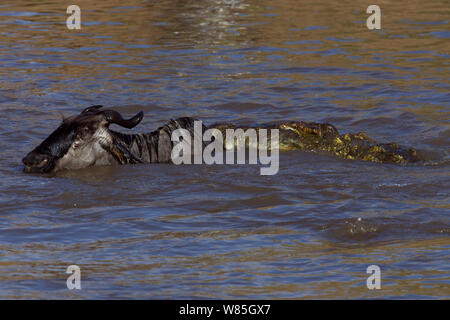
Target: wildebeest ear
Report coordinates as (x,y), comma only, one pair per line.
(91,108)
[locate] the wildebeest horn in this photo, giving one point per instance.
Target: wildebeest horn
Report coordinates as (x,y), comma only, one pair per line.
(113,116)
(92,108)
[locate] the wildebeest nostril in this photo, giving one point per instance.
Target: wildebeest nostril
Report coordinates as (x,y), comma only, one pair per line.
(28,160)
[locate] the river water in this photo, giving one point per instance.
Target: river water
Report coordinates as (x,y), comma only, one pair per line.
(225,231)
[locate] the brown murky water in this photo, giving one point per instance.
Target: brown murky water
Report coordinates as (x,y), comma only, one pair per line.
(161,231)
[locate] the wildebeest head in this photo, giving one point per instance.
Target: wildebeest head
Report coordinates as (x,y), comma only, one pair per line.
(80,141)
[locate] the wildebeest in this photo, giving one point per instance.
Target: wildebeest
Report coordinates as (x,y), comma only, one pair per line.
(85,140)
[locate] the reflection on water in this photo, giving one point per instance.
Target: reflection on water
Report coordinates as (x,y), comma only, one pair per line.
(225,231)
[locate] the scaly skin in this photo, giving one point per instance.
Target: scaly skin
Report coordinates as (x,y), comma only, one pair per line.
(323,137)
